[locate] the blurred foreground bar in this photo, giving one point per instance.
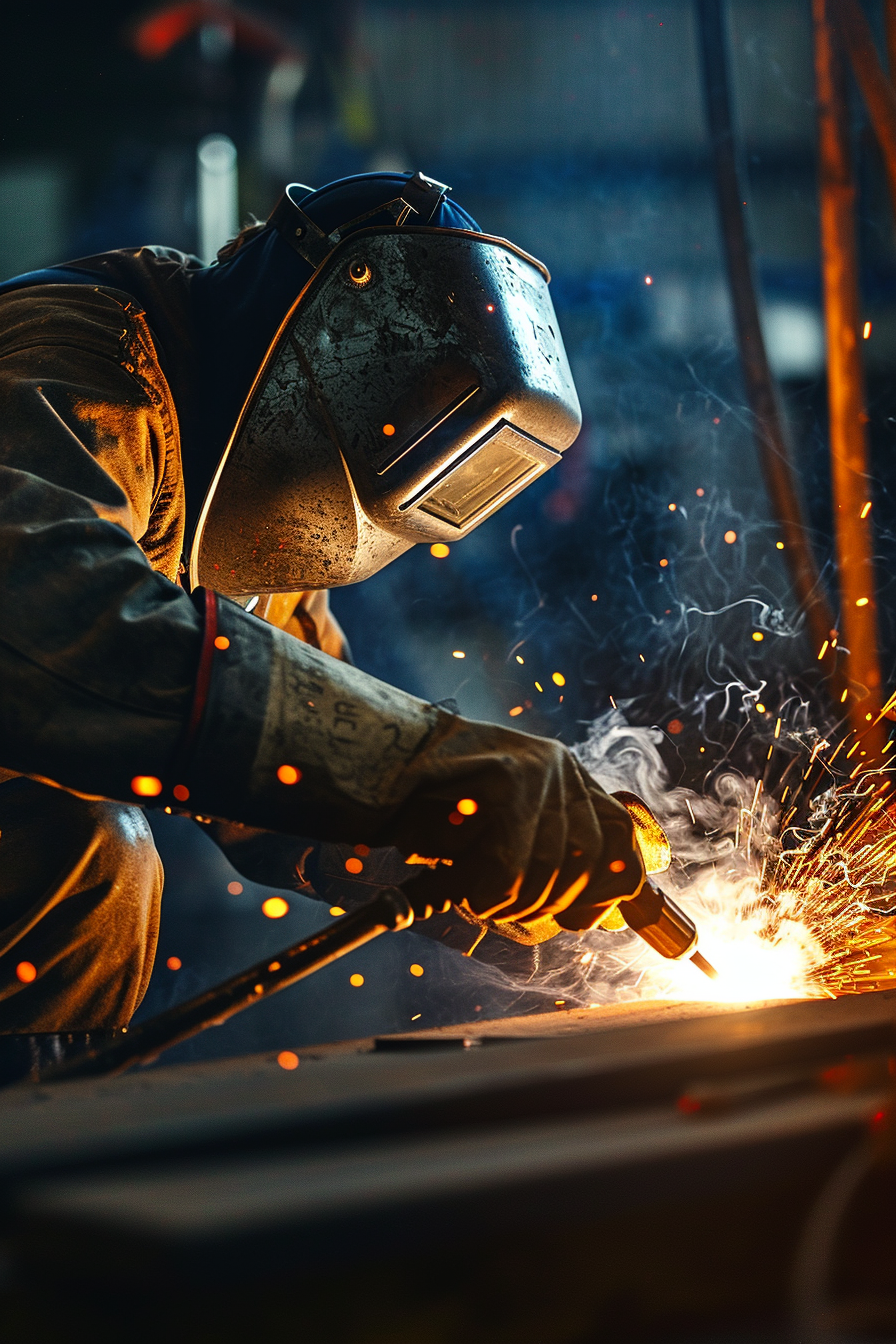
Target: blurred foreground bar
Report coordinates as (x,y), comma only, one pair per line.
(548,1179)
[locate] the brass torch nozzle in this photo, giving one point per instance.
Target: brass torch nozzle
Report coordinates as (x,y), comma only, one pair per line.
(656,918)
(665,927)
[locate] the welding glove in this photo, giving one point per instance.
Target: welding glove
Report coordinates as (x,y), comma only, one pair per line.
(499,822)
(512,828)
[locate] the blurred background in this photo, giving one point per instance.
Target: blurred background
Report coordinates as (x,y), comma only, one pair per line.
(577,130)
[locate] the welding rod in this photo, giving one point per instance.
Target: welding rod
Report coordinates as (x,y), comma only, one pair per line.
(390,909)
(665,927)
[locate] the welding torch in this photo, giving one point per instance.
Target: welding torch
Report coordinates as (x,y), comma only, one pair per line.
(653,916)
(665,927)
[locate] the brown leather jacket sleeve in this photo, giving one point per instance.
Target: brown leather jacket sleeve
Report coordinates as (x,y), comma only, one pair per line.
(102,656)
(98,649)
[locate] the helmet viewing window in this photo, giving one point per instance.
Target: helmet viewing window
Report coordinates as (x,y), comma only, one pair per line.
(493,473)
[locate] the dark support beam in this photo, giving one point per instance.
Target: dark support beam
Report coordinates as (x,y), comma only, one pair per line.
(770,434)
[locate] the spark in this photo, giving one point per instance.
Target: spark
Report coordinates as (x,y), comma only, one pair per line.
(275,907)
(788,905)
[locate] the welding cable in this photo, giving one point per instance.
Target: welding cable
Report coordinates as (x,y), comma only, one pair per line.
(389,910)
(812,1318)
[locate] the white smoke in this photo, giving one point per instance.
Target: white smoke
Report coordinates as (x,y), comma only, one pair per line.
(720,839)
(702,828)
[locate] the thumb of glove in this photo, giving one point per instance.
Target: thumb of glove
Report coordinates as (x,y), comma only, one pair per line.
(656,852)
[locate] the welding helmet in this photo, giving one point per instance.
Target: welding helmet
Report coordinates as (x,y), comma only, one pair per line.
(416,384)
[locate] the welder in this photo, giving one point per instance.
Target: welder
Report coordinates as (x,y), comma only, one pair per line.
(190,456)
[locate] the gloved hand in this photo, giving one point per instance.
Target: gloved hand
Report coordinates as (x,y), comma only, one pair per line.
(512,828)
(507,825)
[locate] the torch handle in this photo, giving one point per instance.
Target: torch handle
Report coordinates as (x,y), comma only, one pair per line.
(665,927)
(390,909)
(660,922)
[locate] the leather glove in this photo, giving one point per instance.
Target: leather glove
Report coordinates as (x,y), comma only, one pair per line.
(504,824)
(511,828)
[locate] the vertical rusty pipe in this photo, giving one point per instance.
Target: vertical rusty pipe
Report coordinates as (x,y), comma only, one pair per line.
(850,485)
(768,424)
(890,24)
(877,89)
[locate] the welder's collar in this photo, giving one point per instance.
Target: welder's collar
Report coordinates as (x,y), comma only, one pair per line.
(418,203)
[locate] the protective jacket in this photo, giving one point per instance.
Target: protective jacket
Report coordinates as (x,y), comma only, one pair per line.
(116,683)
(90,449)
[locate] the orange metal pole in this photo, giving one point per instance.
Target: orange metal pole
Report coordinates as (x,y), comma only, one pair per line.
(850,484)
(877,88)
(890,22)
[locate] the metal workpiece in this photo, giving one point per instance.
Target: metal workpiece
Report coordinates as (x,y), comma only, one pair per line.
(417,384)
(389,910)
(635,1124)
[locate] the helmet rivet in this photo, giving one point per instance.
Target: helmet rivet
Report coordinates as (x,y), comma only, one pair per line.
(360,274)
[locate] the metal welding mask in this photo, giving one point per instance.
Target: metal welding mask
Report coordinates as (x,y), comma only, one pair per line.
(417,383)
